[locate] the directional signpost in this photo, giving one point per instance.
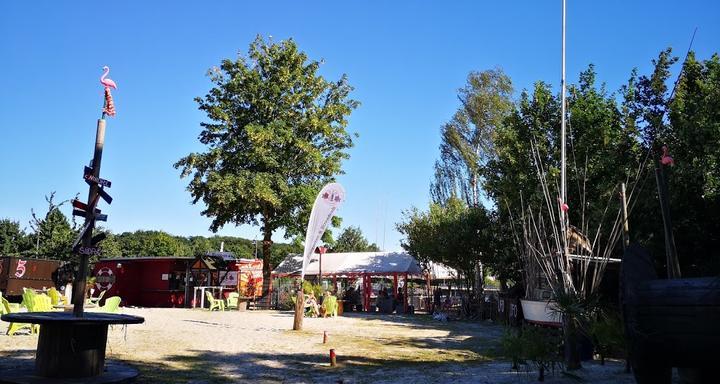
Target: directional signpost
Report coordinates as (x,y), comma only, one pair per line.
(86,245)
(72,345)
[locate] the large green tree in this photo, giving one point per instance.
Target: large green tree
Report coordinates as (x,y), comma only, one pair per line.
(452,234)
(351,239)
(276,133)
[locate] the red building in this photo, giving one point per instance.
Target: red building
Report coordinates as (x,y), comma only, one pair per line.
(144,281)
(172,281)
(17,273)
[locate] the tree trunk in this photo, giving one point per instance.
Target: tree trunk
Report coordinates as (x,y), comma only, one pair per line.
(572,354)
(267,253)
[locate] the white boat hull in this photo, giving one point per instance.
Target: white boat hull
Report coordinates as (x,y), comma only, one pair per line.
(540,312)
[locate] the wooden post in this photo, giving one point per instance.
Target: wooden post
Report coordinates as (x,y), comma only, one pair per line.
(269,292)
(626,228)
(299,309)
(187,285)
(405,294)
(333,358)
(395,284)
(81,281)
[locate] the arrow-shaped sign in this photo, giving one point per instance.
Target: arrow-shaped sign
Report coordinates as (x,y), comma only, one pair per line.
(81,233)
(104,195)
(90,178)
(82,206)
(98,238)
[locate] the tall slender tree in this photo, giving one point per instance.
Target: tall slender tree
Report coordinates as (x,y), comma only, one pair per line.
(466,145)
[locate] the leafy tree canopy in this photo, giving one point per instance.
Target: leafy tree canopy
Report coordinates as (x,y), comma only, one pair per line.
(351,239)
(275,134)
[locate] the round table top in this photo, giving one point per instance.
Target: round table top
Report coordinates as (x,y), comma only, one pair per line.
(88,318)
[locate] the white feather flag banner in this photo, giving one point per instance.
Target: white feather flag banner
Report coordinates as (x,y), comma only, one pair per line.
(326,203)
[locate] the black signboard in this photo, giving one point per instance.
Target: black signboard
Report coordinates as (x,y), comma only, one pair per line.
(105,196)
(90,178)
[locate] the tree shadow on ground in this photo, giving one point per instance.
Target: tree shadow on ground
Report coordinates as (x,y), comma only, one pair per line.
(211,367)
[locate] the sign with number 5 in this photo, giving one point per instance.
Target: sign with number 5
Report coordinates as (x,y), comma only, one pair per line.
(20,270)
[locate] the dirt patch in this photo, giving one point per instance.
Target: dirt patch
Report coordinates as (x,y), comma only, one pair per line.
(196,346)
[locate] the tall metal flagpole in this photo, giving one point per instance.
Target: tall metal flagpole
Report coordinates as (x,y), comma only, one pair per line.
(563,181)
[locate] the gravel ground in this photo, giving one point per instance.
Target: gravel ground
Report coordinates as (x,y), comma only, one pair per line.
(196,346)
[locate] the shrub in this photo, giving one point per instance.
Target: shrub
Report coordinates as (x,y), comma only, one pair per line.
(512,346)
(606,331)
(541,345)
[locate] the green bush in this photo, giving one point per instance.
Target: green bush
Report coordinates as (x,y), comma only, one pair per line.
(538,345)
(512,346)
(308,287)
(541,345)
(606,331)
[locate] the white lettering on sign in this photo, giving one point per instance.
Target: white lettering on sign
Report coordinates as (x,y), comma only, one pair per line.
(89,251)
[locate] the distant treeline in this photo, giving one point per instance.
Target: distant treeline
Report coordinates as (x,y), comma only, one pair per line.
(52,234)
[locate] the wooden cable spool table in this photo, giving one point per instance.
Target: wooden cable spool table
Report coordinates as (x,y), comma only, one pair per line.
(70,346)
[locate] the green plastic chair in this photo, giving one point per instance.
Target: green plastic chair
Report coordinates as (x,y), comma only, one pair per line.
(56,297)
(27,300)
(233,300)
(14,327)
(218,304)
(112,305)
(330,305)
(42,303)
(96,300)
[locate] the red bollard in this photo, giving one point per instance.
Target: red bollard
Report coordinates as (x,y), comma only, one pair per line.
(333,358)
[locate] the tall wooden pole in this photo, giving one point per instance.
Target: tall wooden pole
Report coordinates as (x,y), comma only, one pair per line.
(299,309)
(626,228)
(673,267)
(81,281)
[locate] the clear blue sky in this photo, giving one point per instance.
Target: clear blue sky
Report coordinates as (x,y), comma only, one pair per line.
(406,60)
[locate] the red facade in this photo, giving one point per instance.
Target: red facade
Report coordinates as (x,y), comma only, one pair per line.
(143,282)
(161,281)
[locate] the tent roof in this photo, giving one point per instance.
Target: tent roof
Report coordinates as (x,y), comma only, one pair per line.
(352,263)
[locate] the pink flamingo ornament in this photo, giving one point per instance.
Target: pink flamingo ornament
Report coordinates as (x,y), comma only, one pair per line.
(666,159)
(109,107)
(563,206)
(107,82)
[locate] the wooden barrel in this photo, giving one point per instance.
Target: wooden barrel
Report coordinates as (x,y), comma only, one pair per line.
(668,323)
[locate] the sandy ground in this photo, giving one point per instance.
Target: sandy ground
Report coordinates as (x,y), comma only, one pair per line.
(196,346)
